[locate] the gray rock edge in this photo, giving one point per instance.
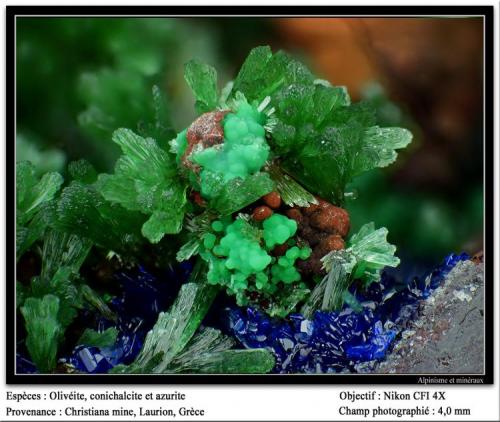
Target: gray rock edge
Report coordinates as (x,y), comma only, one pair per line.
(448,335)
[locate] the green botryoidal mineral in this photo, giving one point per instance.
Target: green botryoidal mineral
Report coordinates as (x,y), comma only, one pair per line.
(278,229)
(243,152)
(284,270)
(275,129)
(221,146)
(240,256)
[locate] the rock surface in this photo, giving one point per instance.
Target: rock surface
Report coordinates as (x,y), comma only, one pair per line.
(448,335)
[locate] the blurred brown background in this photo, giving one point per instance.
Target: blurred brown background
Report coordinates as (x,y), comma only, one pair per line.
(432,67)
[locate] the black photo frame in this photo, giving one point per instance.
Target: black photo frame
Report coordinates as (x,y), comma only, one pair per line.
(17,12)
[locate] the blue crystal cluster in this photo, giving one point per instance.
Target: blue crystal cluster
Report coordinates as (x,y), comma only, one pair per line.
(143,297)
(330,342)
(24,365)
(339,341)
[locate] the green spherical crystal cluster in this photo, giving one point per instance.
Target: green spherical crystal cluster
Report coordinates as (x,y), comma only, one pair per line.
(243,152)
(239,255)
(284,270)
(277,229)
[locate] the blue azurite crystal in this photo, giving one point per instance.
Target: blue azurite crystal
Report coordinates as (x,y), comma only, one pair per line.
(329,342)
(24,365)
(376,346)
(338,341)
(89,359)
(143,297)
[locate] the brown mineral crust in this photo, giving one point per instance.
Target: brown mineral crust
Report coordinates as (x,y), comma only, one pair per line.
(312,208)
(331,219)
(316,263)
(295,214)
(206,130)
(280,250)
(310,234)
(272,199)
(197,199)
(331,243)
(323,226)
(305,231)
(312,265)
(261,213)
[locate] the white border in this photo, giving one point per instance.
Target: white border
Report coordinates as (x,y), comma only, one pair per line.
(280,401)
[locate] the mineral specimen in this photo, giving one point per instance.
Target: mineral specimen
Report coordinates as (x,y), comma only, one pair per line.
(240,257)
(342,341)
(251,193)
(224,145)
(205,132)
(324,226)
